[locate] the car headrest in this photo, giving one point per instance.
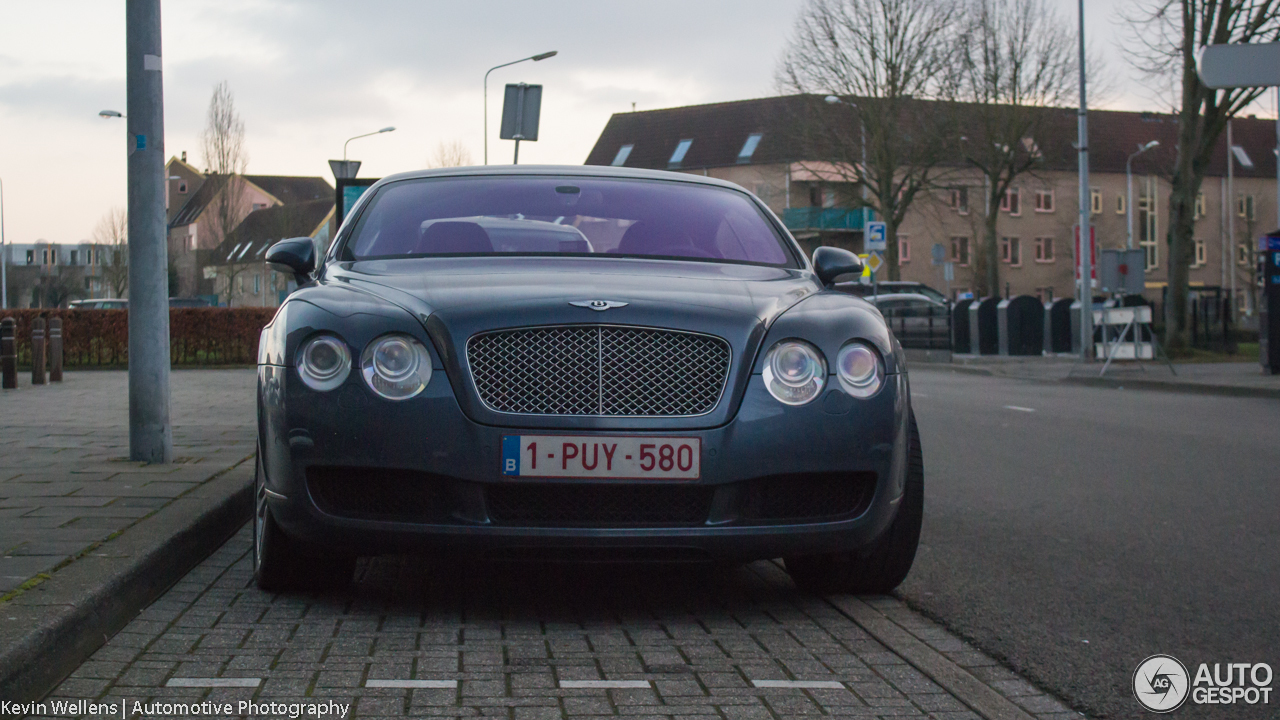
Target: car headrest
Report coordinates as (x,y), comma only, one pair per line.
(456,237)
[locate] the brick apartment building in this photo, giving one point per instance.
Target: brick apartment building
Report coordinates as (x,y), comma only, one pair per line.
(754,144)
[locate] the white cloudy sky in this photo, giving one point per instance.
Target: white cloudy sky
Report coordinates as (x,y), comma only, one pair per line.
(308,75)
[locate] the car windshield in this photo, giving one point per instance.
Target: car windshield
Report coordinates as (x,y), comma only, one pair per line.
(542,215)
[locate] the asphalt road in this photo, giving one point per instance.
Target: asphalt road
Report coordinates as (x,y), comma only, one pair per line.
(1073,531)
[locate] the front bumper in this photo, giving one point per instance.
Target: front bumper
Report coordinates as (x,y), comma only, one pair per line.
(359,475)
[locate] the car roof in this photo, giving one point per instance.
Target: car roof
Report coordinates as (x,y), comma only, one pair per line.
(914,297)
(592,171)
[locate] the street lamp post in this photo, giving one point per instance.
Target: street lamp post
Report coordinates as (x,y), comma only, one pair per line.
(1128,178)
(375,132)
(4,257)
(536,58)
(862,126)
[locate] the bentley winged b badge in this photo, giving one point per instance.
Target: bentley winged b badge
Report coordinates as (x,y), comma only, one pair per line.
(598,305)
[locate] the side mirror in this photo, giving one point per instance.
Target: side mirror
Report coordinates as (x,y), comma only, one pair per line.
(296,256)
(830,263)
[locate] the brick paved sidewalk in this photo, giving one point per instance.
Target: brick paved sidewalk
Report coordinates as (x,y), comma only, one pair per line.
(65,481)
(417,638)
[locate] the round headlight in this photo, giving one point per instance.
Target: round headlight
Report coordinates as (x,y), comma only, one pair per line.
(397,367)
(794,372)
(859,370)
(323,362)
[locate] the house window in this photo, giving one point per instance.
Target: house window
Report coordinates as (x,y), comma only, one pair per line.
(960,200)
(31,257)
(1011,250)
(960,250)
(73,257)
(682,149)
(1122,204)
(749,147)
(1199,260)
(44,257)
(182,187)
(1242,254)
(1244,206)
(1011,201)
(1199,206)
(620,159)
(1044,201)
(88,283)
(904,249)
(1095,201)
(257,283)
(1044,250)
(1147,229)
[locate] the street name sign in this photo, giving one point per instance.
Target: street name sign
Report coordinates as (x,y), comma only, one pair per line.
(1240,65)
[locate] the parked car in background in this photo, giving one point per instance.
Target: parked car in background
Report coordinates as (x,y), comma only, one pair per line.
(99,304)
(918,321)
(190,302)
(891,287)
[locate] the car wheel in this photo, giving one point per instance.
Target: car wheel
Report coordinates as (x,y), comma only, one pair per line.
(886,563)
(280,563)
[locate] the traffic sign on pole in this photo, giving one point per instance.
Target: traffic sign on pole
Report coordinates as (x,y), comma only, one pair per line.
(877,236)
(874,262)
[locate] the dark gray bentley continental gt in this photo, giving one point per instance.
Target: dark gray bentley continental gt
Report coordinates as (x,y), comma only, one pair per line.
(585,363)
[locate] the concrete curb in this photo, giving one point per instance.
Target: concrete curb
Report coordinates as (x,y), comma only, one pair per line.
(971,691)
(48,631)
(1174,386)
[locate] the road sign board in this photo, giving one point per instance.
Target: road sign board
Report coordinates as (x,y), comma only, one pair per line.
(877,236)
(874,262)
(939,254)
(1240,65)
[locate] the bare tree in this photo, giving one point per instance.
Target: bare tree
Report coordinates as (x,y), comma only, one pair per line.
(225,157)
(1015,66)
(872,61)
(1170,35)
(450,154)
(112,237)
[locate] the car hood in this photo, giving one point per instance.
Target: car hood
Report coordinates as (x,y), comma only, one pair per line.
(455,298)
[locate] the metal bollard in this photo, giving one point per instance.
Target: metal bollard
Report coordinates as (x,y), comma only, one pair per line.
(55,349)
(37,351)
(8,355)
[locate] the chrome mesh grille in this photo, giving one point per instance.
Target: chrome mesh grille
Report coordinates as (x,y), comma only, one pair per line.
(599,370)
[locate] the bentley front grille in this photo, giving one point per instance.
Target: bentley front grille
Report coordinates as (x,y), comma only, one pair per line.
(603,370)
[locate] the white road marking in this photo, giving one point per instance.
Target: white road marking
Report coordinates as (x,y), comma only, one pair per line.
(411,684)
(574,684)
(214,682)
(813,684)
(916,395)
(1019,409)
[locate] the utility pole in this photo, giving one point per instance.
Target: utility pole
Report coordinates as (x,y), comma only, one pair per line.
(4,256)
(1231,216)
(1086,265)
(150,435)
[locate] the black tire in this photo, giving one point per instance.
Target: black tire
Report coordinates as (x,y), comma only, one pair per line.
(282,564)
(883,566)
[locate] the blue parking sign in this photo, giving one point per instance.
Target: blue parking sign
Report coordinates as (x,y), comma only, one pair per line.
(877,236)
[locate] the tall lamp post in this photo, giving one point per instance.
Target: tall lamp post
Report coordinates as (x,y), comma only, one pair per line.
(1128,178)
(4,257)
(535,58)
(1085,244)
(375,132)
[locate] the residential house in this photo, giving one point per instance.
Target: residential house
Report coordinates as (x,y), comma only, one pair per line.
(198,203)
(756,144)
(236,269)
(45,274)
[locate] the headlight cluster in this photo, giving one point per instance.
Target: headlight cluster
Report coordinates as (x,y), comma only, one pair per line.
(396,367)
(795,371)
